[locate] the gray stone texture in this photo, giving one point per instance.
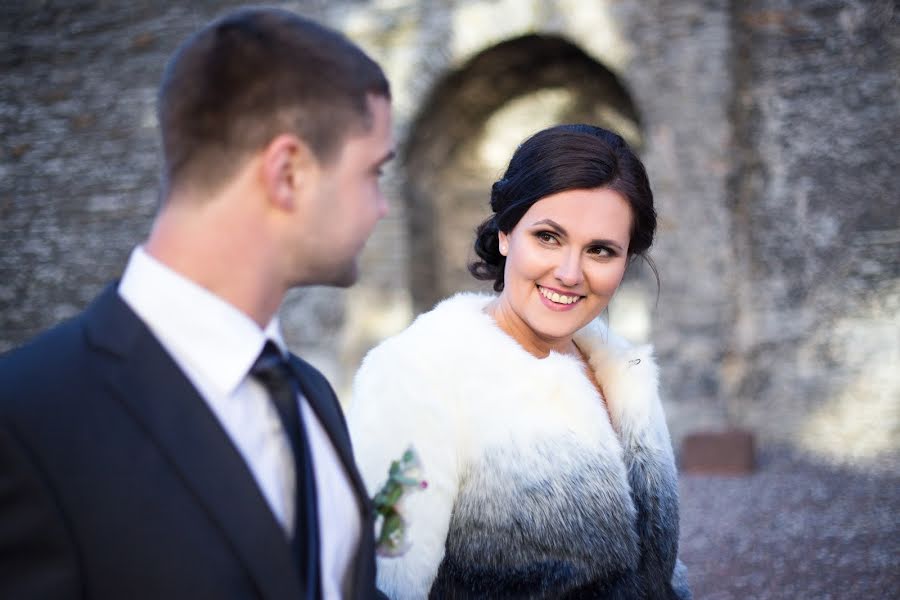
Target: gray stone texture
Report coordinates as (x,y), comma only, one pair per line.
(768,128)
(814,339)
(793,530)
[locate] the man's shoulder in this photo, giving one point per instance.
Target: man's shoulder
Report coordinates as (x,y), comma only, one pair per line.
(42,362)
(37,362)
(59,340)
(47,346)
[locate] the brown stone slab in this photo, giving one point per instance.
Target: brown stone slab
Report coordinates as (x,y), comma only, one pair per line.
(730,452)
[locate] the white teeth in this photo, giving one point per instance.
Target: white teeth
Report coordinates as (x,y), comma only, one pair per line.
(558,298)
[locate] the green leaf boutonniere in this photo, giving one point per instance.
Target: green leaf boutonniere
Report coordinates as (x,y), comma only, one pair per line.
(404,475)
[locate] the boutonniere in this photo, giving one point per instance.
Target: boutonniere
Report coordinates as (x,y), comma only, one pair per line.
(404,475)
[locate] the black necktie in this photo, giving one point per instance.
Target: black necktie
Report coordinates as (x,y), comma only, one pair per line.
(272,370)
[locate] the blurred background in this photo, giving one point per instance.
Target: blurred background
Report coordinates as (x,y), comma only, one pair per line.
(770,132)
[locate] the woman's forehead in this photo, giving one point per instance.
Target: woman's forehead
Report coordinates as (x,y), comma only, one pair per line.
(601,209)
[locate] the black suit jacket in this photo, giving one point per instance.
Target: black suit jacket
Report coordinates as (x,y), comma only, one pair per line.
(117,481)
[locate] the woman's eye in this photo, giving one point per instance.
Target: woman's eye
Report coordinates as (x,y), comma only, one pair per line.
(546,236)
(601,251)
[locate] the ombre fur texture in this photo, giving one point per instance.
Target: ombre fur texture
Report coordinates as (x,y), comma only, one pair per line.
(535,489)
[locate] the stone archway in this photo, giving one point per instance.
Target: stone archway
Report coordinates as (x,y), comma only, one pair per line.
(469,126)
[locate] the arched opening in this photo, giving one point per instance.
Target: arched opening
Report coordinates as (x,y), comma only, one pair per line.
(467,130)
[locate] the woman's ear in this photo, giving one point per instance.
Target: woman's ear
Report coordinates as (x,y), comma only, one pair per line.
(503,241)
(286,165)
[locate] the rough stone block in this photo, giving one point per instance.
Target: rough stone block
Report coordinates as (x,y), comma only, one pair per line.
(729,452)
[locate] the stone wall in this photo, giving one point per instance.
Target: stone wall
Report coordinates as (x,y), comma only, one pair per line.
(767,128)
(815,344)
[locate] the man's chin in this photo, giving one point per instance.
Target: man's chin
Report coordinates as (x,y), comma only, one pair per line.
(349,277)
(343,277)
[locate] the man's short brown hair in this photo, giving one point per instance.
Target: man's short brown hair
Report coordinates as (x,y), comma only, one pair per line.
(254,74)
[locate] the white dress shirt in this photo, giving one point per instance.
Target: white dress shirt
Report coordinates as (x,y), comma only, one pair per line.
(215,344)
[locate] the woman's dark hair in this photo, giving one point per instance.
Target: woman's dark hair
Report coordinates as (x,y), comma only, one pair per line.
(564,157)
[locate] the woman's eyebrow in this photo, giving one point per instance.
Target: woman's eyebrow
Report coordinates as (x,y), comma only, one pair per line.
(608,243)
(551,223)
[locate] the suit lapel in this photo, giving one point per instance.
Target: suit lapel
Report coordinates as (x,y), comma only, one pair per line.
(321,398)
(146,379)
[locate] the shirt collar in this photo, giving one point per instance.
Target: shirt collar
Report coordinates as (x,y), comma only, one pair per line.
(202,330)
(273,332)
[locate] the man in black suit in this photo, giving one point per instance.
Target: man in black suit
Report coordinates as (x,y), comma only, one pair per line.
(163,444)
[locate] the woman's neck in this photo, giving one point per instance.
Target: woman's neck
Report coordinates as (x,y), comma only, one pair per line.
(526,337)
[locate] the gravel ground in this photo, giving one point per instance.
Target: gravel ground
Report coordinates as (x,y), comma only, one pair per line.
(794,529)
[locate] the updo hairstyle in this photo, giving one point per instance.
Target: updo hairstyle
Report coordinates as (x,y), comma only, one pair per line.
(561,158)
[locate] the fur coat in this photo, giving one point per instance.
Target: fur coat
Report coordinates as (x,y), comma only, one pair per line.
(535,489)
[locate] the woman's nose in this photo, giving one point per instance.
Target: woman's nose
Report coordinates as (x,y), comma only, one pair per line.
(568,271)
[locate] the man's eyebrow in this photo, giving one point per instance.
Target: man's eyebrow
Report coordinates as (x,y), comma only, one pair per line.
(387,157)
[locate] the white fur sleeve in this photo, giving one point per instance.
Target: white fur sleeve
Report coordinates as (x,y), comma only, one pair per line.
(395,405)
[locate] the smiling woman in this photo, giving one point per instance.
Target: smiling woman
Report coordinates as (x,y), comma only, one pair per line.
(564,261)
(541,433)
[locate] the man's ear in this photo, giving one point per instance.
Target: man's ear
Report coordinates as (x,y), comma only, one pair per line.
(287,166)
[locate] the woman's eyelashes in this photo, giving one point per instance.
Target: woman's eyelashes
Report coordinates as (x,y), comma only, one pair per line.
(602,251)
(548,237)
(552,238)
